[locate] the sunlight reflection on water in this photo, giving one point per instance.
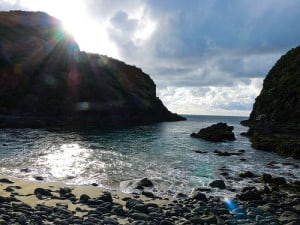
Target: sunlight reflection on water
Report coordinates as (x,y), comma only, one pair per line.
(117,158)
(68,161)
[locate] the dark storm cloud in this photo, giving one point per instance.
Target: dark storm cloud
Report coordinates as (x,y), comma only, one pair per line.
(199,42)
(224,40)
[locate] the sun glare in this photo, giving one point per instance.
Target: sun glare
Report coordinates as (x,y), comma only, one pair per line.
(90,35)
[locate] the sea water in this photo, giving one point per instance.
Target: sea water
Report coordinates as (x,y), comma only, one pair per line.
(116,158)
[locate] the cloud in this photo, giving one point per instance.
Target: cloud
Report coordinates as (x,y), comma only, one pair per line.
(212,100)
(189,47)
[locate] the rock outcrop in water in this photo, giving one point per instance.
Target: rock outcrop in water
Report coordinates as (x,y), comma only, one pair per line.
(275,119)
(217,132)
(45,80)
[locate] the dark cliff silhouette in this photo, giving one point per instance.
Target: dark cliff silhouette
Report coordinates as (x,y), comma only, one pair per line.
(45,80)
(275,119)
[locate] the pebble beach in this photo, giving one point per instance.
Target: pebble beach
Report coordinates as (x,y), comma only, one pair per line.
(34,202)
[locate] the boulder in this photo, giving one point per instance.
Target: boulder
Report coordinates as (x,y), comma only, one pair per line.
(217,132)
(199,196)
(145,182)
(250,195)
(218,184)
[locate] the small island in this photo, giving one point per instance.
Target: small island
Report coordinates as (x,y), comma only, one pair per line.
(217,132)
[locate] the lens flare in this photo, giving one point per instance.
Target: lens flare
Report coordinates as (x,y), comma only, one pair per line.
(229,204)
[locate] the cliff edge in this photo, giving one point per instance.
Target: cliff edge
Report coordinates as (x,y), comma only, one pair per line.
(274,122)
(45,80)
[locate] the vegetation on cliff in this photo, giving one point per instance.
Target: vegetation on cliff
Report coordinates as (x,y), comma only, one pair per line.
(275,119)
(46,80)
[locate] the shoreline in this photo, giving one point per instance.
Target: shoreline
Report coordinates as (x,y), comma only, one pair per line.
(57,203)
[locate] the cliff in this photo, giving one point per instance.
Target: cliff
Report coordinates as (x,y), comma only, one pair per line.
(45,80)
(275,119)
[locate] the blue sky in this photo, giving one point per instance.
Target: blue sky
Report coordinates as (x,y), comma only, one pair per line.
(205,56)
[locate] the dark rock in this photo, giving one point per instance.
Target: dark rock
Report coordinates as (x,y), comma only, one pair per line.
(288,216)
(212,219)
(181,195)
(196,220)
(218,184)
(200,152)
(7,181)
(250,195)
(42,192)
(84,198)
(166,222)
(141,208)
(148,194)
(139,216)
(106,197)
(274,120)
(225,153)
(218,132)
(131,203)
(118,210)
(26,170)
(247,174)
(266,178)
(145,182)
(278,181)
(52,86)
(199,196)
(39,178)
(9,189)
(65,190)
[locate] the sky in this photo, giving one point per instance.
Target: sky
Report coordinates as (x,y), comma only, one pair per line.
(207,57)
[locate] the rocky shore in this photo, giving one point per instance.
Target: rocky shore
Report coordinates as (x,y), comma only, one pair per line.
(27,202)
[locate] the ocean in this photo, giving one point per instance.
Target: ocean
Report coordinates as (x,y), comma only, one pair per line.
(116,158)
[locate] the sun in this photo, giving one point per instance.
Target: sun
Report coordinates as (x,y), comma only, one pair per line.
(90,34)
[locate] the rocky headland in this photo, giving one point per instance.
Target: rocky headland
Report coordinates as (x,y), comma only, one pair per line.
(274,123)
(45,80)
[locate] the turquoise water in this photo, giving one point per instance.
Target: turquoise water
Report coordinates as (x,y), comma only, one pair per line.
(117,158)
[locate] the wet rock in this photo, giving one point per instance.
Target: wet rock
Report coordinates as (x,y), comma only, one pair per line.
(39,178)
(64,191)
(200,152)
(106,197)
(181,195)
(247,174)
(218,184)
(249,195)
(217,132)
(41,192)
(199,196)
(278,181)
(148,194)
(212,219)
(225,153)
(139,216)
(84,198)
(25,170)
(288,216)
(6,181)
(166,222)
(131,203)
(266,178)
(145,182)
